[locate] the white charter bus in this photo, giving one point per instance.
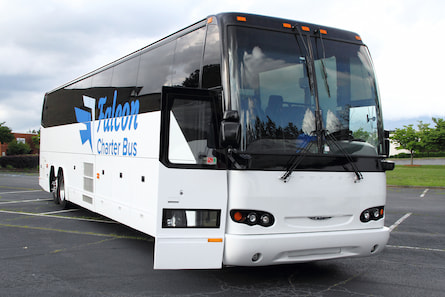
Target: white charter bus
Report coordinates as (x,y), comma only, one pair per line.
(239,140)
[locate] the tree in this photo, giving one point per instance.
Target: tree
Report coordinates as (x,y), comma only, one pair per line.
(409,139)
(427,143)
(17,148)
(36,139)
(6,135)
(438,134)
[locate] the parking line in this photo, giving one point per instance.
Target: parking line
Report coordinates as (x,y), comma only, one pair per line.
(424,193)
(415,248)
(111,235)
(59,211)
(20,192)
(24,201)
(399,221)
(57,217)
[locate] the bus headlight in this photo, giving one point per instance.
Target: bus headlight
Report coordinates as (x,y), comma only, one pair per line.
(252,217)
(372,214)
(191,218)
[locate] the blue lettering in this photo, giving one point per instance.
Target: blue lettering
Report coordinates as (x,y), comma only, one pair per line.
(127,112)
(117,115)
(135,112)
(107,121)
(101,103)
(114,108)
(128,148)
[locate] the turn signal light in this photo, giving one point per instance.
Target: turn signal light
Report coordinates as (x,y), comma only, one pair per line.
(252,217)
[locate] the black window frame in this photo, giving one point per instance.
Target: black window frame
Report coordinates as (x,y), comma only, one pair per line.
(169,94)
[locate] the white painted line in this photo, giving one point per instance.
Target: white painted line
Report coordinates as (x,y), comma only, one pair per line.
(415,248)
(399,221)
(56,217)
(24,201)
(59,211)
(424,193)
(20,192)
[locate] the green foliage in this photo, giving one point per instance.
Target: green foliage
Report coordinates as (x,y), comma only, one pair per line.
(408,139)
(36,140)
(422,176)
(17,148)
(438,134)
(22,161)
(6,135)
(422,140)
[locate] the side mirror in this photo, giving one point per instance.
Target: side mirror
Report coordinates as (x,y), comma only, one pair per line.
(230,129)
(386,143)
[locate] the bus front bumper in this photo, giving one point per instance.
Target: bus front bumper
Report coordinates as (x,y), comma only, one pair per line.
(271,249)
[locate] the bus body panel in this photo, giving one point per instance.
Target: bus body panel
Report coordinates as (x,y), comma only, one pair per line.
(112,182)
(191,190)
(307,202)
(270,249)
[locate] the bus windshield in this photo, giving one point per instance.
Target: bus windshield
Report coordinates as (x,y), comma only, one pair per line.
(283,83)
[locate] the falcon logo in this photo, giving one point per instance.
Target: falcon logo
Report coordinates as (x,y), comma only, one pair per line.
(84,117)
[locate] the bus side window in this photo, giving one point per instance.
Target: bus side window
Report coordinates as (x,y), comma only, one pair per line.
(187,59)
(190,123)
(211,69)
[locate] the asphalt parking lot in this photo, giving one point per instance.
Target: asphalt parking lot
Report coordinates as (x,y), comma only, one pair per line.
(48,252)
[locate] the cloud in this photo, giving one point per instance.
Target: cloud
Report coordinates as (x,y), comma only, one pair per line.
(46,43)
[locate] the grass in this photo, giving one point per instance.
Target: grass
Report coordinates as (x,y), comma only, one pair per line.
(422,176)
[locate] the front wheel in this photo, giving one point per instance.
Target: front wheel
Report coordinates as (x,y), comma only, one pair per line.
(61,194)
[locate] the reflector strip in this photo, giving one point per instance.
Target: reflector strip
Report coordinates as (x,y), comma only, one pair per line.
(214,240)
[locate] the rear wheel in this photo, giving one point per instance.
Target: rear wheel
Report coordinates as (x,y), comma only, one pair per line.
(53,185)
(61,194)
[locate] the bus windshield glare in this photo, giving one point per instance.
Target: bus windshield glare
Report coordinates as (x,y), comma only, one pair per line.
(282,84)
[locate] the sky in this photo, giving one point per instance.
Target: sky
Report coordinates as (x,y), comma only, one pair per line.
(47,43)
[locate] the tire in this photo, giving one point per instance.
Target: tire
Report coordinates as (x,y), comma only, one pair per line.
(53,186)
(61,194)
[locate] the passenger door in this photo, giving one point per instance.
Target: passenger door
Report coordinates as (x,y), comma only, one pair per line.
(192,199)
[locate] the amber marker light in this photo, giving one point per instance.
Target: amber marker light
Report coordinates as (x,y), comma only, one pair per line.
(209,20)
(241,19)
(323,31)
(358,38)
(287,25)
(305,28)
(214,240)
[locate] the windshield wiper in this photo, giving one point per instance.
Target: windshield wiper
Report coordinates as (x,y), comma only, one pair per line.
(325,78)
(330,139)
(323,67)
(295,161)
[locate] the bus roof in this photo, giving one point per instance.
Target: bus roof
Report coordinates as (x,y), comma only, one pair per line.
(234,18)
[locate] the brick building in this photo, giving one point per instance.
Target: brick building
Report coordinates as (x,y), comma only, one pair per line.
(20,137)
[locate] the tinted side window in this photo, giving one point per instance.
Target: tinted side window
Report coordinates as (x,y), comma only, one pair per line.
(211,70)
(125,74)
(102,79)
(187,60)
(155,69)
(154,72)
